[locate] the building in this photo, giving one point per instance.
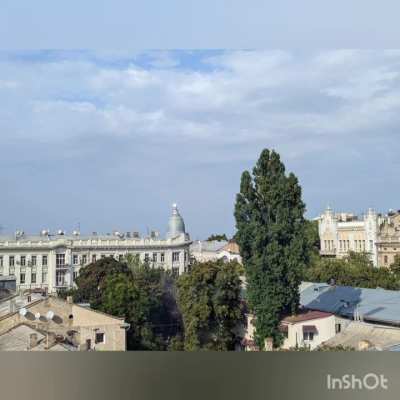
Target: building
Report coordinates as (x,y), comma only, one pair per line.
(203,250)
(341,233)
(307,329)
(365,318)
(376,234)
(36,322)
(52,261)
(388,243)
(331,315)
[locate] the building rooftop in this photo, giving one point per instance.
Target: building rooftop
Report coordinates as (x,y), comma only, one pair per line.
(15,302)
(210,246)
(379,337)
(306,316)
(18,338)
(375,305)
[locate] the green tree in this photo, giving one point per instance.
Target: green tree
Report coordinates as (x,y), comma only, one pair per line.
(136,292)
(356,269)
(209,297)
(91,280)
(272,236)
(219,237)
(138,302)
(395,267)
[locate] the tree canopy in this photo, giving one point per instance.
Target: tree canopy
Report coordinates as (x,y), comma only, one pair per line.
(356,269)
(272,236)
(217,237)
(134,291)
(209,298)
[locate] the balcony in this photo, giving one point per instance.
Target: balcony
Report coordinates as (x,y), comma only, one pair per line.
(328,252)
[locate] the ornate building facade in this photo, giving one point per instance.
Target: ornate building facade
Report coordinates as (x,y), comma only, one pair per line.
(388,244)
(52,261)
(375,234)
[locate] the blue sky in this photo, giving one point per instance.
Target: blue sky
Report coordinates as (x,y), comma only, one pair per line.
(111,139)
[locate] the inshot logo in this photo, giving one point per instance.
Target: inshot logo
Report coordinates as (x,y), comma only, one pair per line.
(369,381)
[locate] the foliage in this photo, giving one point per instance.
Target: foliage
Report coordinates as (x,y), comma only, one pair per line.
(312,235)
(92,277)
(217,237)
(395,267)
(338,347)
(134,291)
(273,240)
(356,269)
(210,303)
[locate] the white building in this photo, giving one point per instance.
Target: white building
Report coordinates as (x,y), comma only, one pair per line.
(203,251)
(52,261)
(308,329)
(341,233)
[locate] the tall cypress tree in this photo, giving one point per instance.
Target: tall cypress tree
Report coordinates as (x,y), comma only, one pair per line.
(271,233)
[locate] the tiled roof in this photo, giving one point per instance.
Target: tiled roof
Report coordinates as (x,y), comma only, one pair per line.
(306,316)
(232,247)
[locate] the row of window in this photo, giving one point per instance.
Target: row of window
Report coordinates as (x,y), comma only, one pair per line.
(344,245)
(60,259)
(33,261)
(329,244)
(33,274)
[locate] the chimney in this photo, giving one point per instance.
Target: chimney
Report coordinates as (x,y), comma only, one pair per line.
(70,300)
(33,340)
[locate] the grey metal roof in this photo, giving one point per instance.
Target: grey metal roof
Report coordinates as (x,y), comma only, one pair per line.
(378,305)
(213,245)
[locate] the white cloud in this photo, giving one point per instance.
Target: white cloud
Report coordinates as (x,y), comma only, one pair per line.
(244,97)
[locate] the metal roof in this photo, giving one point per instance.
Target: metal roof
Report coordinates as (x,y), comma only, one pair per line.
(377,305)
(205,245)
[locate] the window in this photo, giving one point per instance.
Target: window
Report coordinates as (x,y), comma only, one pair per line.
(22,278)
(175,272)
(100,337)
(60,260)
(33,277)
(338,328)
(33,260)
(11,261)
(146,257)
(84,259)
(385,259)
(75,259)
(11,271)
(175,256)
(94,258)
(60,278)
(1,261)
(23,260)
(162,257)
(154,257)
(308,336)
(75,275)
(44,276)
(44,260)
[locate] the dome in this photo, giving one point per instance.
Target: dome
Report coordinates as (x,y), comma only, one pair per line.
(176,225)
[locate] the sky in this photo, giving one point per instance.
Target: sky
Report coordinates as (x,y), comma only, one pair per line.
(110,139)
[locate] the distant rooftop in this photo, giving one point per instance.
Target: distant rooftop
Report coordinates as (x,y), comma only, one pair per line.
(375,305)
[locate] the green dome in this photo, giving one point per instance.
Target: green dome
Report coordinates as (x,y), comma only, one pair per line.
(176,225)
